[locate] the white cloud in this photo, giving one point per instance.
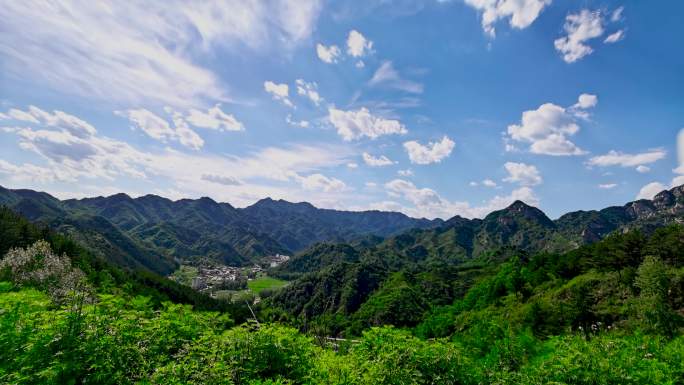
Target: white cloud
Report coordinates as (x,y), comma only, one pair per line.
(617,14)
(371,185)
(152,59)
(580,28)
(650,190)
(15,114)
(215,119)
(159,129)
(28,172)
(280,92)
(607,186)
(271,171)
(521,13)
(488,183)
(352,165)
(376,161)
(71,157)
(296,123)
(355,124)
(585,101)
(222,179)
(548,127)
(485,182)
(615,158)
(615,37)
(322,182)
(523,174)
(386,74)
(433,152)
(56,119)
(405,173)
(428,203)
(360,64)
(643,169)
(328,54)
(677,181)
(357,44)
(309,90)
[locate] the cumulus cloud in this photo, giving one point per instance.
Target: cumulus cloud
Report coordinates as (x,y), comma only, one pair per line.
(523,174)
(321,182)
(309,90)
(280,92)
(355,124)
(579,28)
(154,55)
(547,128)
(352,165)
(357,44)
(639,160)
(373,161)
(296,123)
(405,173)
(272,171)
(428,203)
(650,190)
(215,119)
(607,186)
(521,13)
(387,75)
(71,157)
(328,54)
(585,101)
(582,27)
(159,129)
(433,152)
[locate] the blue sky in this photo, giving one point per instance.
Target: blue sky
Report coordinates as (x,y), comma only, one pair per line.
(432,108)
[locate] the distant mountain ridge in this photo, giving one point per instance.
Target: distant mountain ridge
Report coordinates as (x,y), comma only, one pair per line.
(519,227)
(383,280)
(153,232)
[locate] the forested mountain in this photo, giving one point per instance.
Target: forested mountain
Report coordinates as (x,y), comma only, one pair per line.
(434,266)
(152,232)
(609,312)
(517,228)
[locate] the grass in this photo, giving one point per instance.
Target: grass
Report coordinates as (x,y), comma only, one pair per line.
(264,282)
(185,274)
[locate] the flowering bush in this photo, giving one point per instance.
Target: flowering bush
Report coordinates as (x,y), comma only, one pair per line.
(38,266)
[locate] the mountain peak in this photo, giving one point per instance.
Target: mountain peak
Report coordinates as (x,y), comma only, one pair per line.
(120,197)
(519,205)
(521,209)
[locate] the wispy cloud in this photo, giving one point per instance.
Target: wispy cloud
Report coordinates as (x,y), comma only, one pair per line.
(151,60)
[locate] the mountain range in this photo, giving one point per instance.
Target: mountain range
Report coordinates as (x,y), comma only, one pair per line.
(396,280)
(155,233)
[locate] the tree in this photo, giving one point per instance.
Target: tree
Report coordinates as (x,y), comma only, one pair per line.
(653,308)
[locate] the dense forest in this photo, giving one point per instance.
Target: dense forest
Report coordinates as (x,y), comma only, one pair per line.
(606,313)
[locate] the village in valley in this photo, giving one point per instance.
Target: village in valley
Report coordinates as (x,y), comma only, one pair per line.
(232,283)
